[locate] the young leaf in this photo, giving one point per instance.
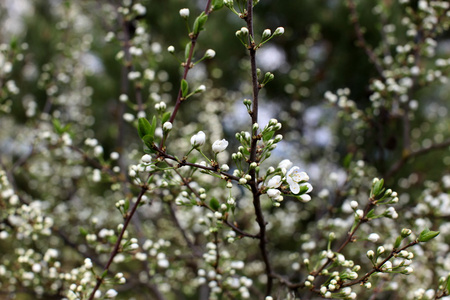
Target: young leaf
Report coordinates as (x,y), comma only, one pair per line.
(184,88)
(144,127)
(427,235)
(187,50)
(200,22)
(378,188)
(148,140)
(347,160)
(83,231)
(127,205)
(214,203)
(153,126)
(165,117)
(398,241)
(268,135)
(217,4)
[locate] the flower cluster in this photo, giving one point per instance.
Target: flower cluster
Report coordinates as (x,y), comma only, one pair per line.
(294,178)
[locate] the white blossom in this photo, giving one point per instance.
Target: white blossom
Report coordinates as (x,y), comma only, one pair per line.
(219,145)
(198,139)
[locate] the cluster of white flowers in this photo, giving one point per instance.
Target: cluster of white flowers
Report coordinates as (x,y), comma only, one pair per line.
(295,179)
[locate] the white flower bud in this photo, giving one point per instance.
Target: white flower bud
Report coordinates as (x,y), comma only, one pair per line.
(167,126)
(123,98)
(146,159)
(219,145)
(373,237)
(279,31)
(198,139)
(201,89)
(266,34)
(171,49)
(184,12)
(210,53)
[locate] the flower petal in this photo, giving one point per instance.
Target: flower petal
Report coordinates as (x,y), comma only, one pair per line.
(294,187)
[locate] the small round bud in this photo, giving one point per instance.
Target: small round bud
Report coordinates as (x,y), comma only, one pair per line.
(405,232)
(184,13)
(201,89)
(171,49)
(146,159)
(167,126)
(279,31)
(267,33)
(210,53)
(123,98)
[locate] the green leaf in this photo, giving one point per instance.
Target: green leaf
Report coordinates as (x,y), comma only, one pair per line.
(378,188)
(217,4)
(148,140)
(57,126)
(427,235)
(144,128)
(127,205)
(371,214)
(187,50)
(448,284)
(398,241)
(347,160)
(184,88)
(268,135)
(153,126)
(165,117)
(214,203)
(303,189)
(83,231)
(200,22)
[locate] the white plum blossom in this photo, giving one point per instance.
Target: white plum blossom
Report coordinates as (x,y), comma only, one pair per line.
(111,293)
(373,237)
(219,145)
(274,182)
(285,164)
(198,139)
(273,193)
(295,179)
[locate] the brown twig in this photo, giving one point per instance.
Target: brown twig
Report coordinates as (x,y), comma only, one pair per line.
(253,149)
(187,67)
(361,40)
(116,248)
(407,156)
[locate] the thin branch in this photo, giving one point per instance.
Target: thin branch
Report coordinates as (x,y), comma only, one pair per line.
(187,67)
(117,249)
(377,268)
(407,156)
(182,163)
(195,250)
(361,40)
(253,152)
